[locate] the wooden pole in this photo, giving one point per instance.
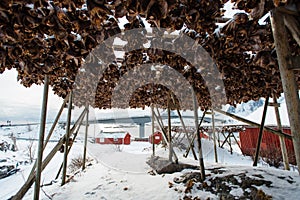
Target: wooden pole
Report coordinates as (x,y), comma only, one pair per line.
(31,178)
(152,123)
(281,138)
(191,144)
(201,162)
(169,130)
(85,135)
(288,79)
(41,140)
(63,179)
(277,132)
(195,135)
(229,141)
(260,135)
(214,135)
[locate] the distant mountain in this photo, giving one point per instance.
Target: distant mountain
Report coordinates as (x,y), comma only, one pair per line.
(245,109)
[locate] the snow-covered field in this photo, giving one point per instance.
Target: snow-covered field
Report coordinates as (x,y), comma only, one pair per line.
(122,173)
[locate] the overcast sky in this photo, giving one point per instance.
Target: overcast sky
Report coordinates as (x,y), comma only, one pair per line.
(23,105)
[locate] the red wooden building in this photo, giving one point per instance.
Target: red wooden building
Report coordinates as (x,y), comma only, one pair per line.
(157,137)
(270,142)
(113,138)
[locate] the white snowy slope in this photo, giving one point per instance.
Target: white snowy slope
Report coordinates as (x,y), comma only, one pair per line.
(122,173)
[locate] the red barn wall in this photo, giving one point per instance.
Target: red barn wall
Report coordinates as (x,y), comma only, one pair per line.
(126,140)
(249,138)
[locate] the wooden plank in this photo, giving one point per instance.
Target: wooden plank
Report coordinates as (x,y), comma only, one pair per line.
(289,83)
(261,131)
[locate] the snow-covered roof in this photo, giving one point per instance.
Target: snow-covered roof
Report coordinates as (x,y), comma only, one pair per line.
(112,135)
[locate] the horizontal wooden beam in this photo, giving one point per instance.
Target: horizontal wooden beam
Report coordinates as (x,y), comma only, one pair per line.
(274,104)
(288,11)
(277,132)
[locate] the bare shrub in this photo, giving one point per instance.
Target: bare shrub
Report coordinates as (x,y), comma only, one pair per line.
(30,150)
(76,163)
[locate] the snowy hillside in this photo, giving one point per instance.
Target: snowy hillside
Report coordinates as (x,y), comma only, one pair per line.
(122,173)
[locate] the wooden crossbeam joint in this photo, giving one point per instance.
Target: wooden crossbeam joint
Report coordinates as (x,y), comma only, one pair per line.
(293,63)
(274,104)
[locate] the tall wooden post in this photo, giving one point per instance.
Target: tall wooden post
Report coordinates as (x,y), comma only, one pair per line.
(201,162)
(214,134)
(170,131)
(152,127)
(261,130)
(85,135)
(281,138)
(41,140)
(288,79)
(65,162)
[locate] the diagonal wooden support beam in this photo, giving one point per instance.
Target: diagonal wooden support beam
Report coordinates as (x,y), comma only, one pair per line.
(277,132)
(31,178)
(294,27)
(195,135)
(261,131)
(165,136)
(191,145)
(73,139)
(65,163)
(52,129)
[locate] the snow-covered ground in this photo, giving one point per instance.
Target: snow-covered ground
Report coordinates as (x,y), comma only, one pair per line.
(122,173)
